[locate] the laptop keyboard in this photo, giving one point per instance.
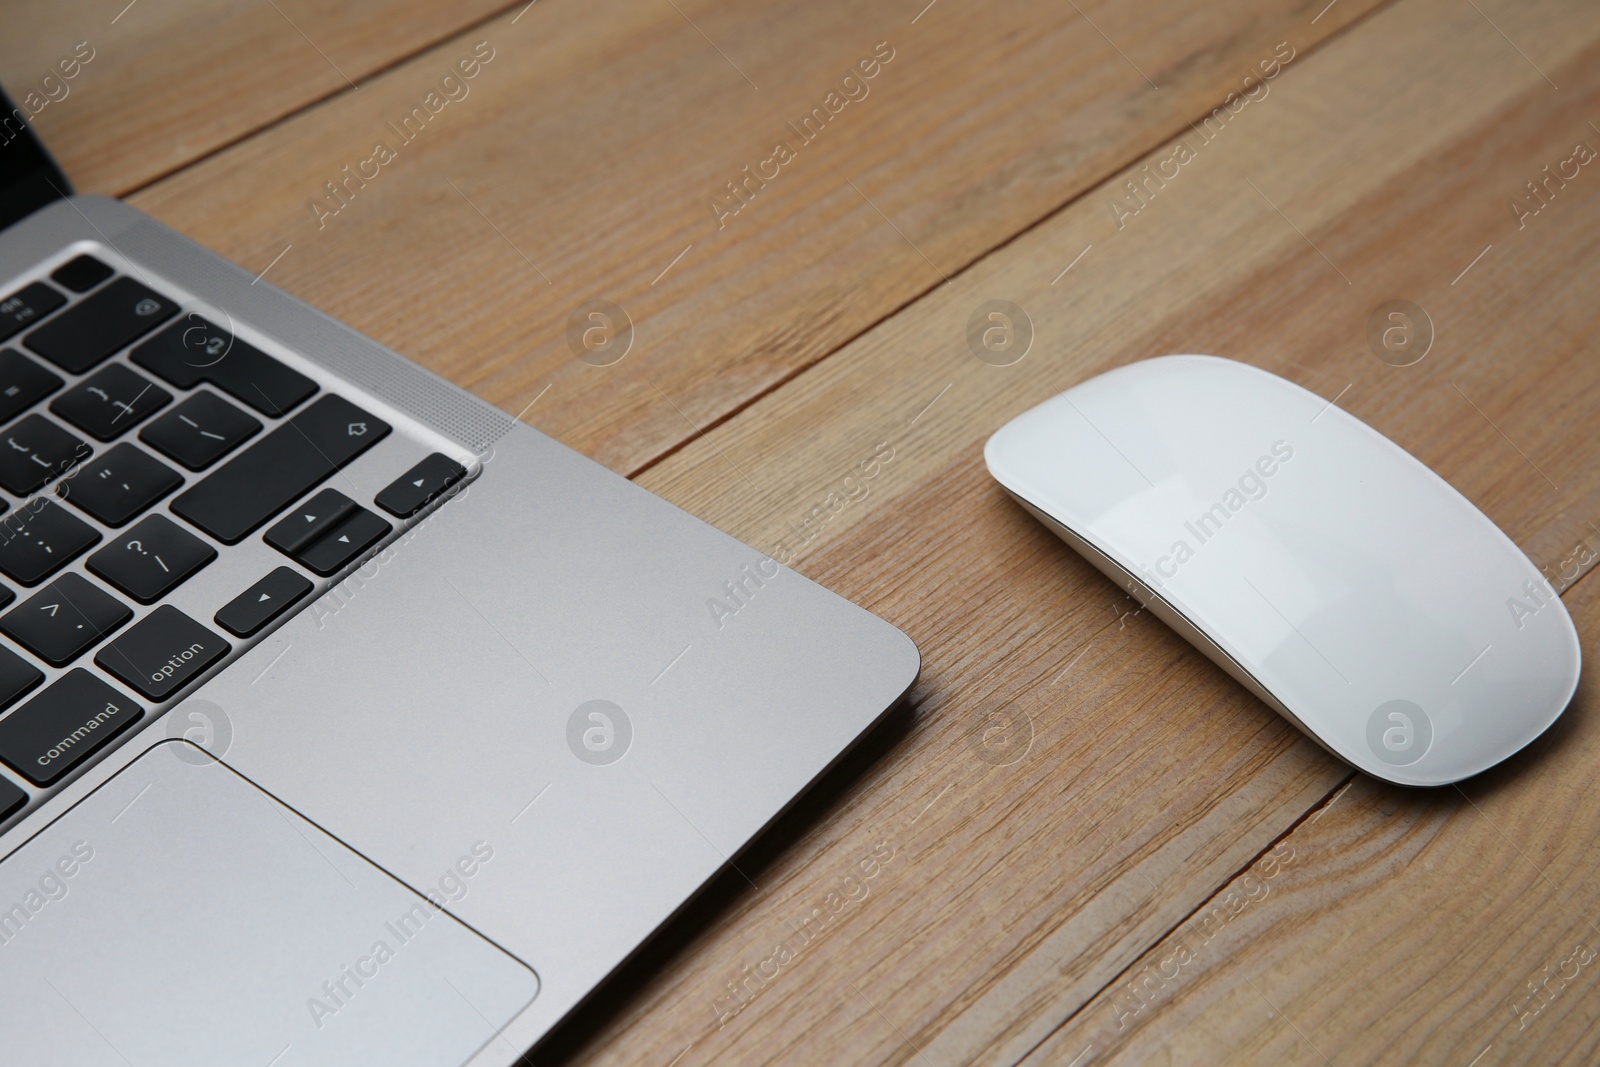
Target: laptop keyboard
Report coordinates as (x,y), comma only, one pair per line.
(225,435)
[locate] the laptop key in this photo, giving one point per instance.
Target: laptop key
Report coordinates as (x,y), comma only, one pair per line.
(343,543)
(267,477)
(196,350)
(26,306)
(89,332)
(413,490)
(110,403)
(39,539)
(81,274)
(62,620)
(23,383)
(261,603)
(200,431)
(309,521)
(162,653)
(63,726)
(18,677)
(119,484)
(35,450)
(152,559)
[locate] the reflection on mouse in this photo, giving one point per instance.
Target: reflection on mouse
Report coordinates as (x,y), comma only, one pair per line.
(1314,560)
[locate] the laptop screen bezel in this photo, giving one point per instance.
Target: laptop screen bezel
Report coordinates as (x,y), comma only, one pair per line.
(29,178)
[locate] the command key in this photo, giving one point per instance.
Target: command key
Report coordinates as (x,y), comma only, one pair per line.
(63,726)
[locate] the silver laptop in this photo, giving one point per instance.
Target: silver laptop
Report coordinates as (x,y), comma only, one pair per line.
(345,719)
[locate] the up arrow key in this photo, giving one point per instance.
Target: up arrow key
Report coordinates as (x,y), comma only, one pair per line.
(318,516)
(263,597)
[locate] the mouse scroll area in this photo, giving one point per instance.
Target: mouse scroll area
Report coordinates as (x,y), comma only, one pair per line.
(179,915)
(1375,607)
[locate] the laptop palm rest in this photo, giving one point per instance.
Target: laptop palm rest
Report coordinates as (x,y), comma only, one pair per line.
(180,915)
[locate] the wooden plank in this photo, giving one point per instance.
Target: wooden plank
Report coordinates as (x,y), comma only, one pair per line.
(157,84)
(1381,168)
(594,156)
(1392,926)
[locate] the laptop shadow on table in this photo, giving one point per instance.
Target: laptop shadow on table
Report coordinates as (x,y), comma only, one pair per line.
(612,997)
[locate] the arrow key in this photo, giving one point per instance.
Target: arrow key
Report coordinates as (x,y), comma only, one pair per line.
(269,598)
(309,521)
(413,490)
(344,542)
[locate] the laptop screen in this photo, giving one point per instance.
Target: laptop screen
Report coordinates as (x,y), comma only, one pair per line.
(29,178)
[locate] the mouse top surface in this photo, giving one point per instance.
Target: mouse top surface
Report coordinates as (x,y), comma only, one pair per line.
(1389,616)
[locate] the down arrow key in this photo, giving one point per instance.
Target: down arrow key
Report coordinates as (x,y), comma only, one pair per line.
(310,521)
(344,543)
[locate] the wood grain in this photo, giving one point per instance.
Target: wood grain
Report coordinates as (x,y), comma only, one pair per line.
(586,159)
(1392,926)
(172,80)
(1392,153)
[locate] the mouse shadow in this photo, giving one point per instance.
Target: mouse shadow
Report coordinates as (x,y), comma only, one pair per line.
(613,997)
(1540,754)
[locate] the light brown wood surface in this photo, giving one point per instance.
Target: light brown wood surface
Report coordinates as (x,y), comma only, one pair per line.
(172,80)
(1033,871)
(585,160)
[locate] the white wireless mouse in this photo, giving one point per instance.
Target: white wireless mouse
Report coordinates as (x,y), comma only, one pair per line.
(1310,557)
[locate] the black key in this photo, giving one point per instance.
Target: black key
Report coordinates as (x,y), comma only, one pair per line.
(26,306)
(17,677)
(263,602)
(112,402)
(162,653)
(23,383)
(87,333)
(309,521)
(11,799)
(120,484)
(200,431)
(35,450)
(81,274)
(64,618)
(150,560)
(271,474)
(39,539)
(196,350)
(413,490)
(343,543)
(63,726)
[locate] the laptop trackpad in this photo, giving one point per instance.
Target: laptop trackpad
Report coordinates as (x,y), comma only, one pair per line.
(179,915)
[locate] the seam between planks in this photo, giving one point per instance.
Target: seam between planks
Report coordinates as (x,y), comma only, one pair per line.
(342,90)
(1049,215)
(1288,832)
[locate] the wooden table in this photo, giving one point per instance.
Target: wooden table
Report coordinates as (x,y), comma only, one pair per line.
(1090,844)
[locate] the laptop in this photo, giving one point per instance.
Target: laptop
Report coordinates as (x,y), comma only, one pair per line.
(344,718)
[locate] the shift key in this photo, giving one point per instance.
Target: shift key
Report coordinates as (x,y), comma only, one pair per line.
(280,468)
